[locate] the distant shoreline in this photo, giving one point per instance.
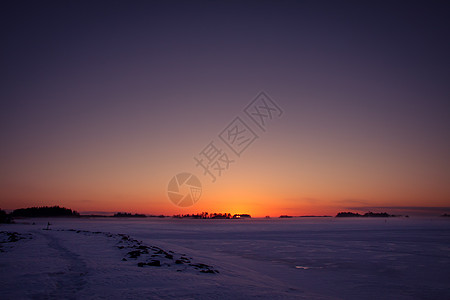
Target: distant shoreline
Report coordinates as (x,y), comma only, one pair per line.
(62,212)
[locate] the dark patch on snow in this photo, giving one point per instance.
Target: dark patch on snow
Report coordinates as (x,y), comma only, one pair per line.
(148,255)
(7,237)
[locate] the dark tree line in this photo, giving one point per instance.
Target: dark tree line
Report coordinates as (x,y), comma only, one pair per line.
(128,215)
(366,215)
(206,215)
(4,217)
(44,211)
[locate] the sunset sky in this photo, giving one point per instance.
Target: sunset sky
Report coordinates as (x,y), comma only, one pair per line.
(103,102)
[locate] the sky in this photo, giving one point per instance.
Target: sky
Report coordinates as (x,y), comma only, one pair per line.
(104,102)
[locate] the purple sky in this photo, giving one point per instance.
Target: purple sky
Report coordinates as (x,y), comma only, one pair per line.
(104,101)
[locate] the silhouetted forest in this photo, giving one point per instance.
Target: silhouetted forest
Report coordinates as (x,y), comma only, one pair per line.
(4,217)
(44,211)
(206,215)
(128,215)
(366,215)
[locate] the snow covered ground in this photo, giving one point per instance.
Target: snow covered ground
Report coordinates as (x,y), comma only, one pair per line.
(300,258)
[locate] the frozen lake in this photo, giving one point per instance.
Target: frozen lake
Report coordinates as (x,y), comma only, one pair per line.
(311,258)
